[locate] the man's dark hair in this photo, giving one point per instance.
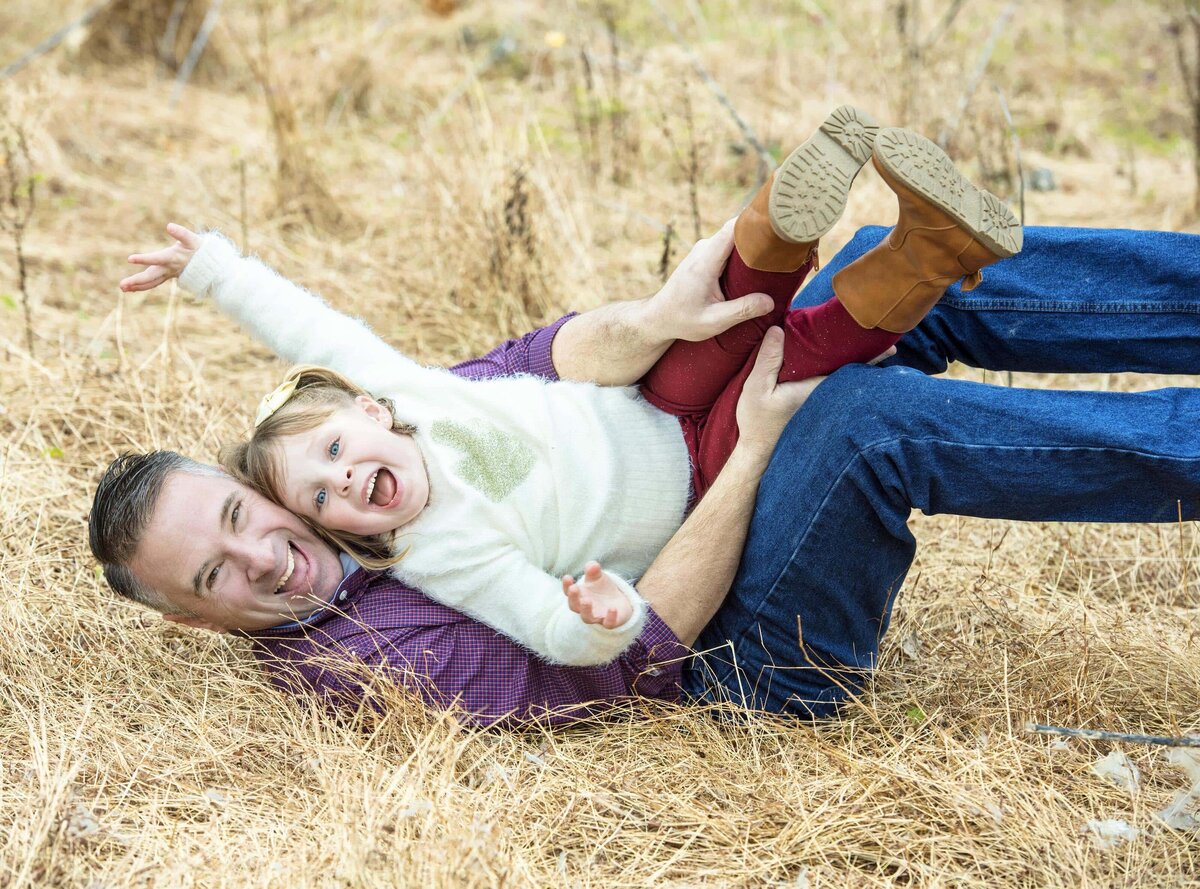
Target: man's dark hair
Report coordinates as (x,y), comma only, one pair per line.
(124,502)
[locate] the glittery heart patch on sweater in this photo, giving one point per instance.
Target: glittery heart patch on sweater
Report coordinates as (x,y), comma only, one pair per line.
(493,463)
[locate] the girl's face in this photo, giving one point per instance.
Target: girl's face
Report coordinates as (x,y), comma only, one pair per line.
(352,473)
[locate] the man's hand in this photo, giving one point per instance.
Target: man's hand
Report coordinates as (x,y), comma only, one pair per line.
(596,599)
(690,305)
(165,264)
(766,404)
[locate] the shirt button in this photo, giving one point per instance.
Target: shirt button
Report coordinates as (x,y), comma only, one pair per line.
(342,596)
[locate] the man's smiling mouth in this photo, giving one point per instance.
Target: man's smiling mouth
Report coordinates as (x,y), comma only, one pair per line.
(287,574)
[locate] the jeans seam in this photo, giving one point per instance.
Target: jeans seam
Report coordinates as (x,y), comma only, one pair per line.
(982,303)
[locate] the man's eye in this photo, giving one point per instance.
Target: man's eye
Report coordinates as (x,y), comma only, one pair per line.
(334,447)
(212,577)
(320,498)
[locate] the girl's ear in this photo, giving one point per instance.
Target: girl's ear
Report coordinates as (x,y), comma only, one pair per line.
(374,410)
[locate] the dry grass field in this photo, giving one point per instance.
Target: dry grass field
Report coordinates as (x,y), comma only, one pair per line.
(458,172)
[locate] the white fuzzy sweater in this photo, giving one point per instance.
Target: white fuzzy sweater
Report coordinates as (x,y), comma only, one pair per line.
(529,479)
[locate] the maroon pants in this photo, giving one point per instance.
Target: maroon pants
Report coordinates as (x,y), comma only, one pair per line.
(700,383)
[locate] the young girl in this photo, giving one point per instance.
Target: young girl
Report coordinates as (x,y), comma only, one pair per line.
(500,488)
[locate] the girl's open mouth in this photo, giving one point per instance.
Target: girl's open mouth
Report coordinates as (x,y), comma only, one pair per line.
(383,490)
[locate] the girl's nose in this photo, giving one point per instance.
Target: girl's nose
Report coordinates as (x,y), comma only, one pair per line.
(344,479)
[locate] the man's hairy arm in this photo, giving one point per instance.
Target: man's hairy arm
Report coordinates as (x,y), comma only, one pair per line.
(615,344)
(690,578)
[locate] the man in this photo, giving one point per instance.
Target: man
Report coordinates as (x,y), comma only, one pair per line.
(826,547)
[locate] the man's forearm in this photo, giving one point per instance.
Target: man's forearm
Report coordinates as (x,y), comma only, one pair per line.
(688,581)
(613,345)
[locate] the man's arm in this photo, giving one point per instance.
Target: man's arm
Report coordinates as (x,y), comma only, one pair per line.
(688,581)
(615,344)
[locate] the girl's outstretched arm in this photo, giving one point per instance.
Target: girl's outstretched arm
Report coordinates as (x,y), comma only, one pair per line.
(294,323)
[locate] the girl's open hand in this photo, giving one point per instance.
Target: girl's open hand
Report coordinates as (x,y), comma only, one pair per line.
(596,598)
(165,264)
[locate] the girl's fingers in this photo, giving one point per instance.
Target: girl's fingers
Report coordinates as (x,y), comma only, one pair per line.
(147,280)
(160,257)
(186,237)
(592,571)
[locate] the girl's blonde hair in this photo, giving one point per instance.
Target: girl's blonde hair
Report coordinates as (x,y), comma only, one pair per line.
(319,392)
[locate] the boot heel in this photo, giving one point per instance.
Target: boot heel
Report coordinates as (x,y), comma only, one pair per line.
(999,227)
(854,130)
(812,185)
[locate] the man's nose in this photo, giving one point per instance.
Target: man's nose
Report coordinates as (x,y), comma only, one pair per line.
(259,558)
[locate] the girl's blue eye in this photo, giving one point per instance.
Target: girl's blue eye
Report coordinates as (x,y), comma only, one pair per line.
(334,447)
(320,498)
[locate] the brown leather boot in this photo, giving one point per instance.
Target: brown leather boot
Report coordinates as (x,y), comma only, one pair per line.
(948,229)
(781,227)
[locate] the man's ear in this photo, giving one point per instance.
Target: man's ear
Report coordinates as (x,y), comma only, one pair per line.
(375,410)
(198,623)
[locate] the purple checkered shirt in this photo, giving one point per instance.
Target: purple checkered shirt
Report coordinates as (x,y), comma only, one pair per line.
(374,622)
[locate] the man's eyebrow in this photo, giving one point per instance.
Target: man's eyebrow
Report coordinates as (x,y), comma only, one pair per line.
(225,507)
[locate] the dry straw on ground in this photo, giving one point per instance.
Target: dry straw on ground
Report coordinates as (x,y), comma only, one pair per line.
(136,754)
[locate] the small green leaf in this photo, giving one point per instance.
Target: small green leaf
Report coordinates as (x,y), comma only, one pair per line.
(916,714)
(8,300)
(54,453)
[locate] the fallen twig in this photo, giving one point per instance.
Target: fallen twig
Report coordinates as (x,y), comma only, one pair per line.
(198,44)
(166,46)
(766,161)
(1098,735)
(52,41)
(1016,144)
(500,50)
(939,30)
(985,57)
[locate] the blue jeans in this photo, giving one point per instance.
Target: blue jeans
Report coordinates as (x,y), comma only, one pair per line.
(829,545)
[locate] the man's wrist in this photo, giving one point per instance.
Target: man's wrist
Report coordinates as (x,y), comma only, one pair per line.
(646,320)
(749,459)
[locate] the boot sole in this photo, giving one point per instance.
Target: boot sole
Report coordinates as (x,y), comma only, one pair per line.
(923,167)
(811,187)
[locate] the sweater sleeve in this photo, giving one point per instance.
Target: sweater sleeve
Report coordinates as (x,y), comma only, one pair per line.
(498,586)
(295,324)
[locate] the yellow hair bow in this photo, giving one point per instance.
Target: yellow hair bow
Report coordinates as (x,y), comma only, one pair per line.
(275,400)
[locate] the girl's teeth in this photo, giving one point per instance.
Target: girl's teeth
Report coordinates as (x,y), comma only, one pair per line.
(287,575)
(371,486)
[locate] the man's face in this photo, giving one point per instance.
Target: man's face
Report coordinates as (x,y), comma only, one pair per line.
(233,559)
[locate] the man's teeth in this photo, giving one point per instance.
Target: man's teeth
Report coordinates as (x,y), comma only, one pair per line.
(287,575)
(371,486)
